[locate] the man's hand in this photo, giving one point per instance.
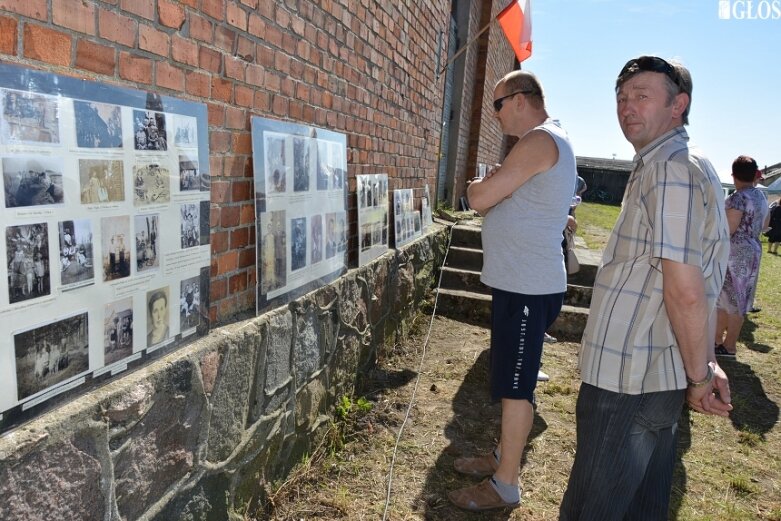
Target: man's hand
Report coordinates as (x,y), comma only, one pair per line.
(704,400)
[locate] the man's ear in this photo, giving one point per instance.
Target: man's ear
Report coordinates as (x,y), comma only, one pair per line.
(680,102)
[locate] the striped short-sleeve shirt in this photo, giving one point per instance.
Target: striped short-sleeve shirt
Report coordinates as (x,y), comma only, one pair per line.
(673,209)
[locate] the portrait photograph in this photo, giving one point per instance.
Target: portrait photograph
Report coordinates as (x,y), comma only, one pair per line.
(300,164)
(76,251)
(151,184)
(185,131)
(335,240)
(115,247)
(101,181)
(276,168)
(297,243)
(189,179)
(117,330)
(323,167)
(98,125)
(336,160)
(149,130)
(190,225)
(158,316)
(32,181)
(273,252)
(316,227)
(190,303)
(147,242)
(52,353)
(28,118)
(27,258)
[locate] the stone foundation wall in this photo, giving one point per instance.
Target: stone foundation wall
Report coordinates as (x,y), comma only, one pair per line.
(195,435)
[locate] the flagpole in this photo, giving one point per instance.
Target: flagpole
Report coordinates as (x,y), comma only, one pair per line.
(465,47)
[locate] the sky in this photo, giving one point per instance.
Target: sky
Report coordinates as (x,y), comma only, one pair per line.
(579,46)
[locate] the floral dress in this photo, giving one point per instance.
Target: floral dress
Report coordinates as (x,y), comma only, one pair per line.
(745,252)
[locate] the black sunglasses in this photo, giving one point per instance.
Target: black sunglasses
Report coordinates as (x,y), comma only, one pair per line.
(499,103)
(652,64)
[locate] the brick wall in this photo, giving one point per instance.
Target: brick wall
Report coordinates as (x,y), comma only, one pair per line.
(362,67)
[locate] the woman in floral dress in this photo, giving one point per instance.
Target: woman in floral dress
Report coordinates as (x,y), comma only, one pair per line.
(747,215)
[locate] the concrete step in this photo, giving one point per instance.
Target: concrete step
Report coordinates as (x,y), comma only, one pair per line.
(465,258)
(466,236)
(475,308)
(589,261)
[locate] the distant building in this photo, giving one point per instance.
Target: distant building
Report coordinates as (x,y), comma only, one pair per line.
(606,178)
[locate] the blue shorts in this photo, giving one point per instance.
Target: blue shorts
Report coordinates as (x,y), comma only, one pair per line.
(518,324)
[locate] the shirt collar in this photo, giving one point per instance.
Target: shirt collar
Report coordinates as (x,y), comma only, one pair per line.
(648,151)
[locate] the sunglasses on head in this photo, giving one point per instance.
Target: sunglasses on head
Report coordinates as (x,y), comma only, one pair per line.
(499,103)
(652,64)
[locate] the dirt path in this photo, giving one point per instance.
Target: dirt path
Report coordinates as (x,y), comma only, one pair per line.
(451,416)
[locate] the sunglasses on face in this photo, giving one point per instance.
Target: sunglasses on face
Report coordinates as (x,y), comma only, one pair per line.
(499,103)
(652,64)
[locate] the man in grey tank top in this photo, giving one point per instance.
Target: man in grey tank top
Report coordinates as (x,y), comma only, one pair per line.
(525,203)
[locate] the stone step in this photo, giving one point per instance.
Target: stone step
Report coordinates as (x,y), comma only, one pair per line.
(466,236)
(475,308)
(589,261)
(464,258)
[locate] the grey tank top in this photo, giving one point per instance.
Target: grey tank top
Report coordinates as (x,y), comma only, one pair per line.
(522,234)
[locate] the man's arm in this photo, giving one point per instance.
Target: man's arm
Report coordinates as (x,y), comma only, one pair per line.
(686,305)
(534,153)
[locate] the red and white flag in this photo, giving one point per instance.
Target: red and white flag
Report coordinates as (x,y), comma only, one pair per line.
(516,22)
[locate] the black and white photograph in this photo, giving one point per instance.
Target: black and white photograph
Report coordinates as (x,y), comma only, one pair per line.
(115,247)
(297,243)
(147,242)
(336,160)
(316,226)
(50,354)
(300,164)
(151,184)
(101,181)
(149,130)
(189,179)
(189,303)
(273,252)
(276,169)
(416,222)
(76,251)
(33,181)
(335,239)
(29,118)
(190,225)
(323,168)
(365,237)
(98,125)
(118,330)
(27,257)
(158,316)
(204,222)
(185,131)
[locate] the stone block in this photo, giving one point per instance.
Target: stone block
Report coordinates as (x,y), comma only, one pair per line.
(307,355)
(353,298)
(207,500)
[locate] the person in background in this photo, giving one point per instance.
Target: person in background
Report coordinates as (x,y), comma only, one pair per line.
(774,233)
(747,214)
(647,348)
(525,203)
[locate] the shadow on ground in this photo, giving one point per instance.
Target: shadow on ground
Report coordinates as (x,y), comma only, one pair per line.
(474,429)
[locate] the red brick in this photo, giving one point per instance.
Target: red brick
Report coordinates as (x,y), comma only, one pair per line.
(219,242)
(234,166)
(254,75)
(229,217)
(242,191)
(170,14)
(252,4)
(74,14)
(247,214)
(218,288)
(236,16)
(220,192)
(215,164)
(219,141)
(143,8)
(237,283)
(224,38)
(184,51)
(95,57)
(190,3)
(227,308)
(235,118)
(296,110)
(222,90)
(200,28)
(234,68)
(135,68)
(213,316)
(198,84)
(262,101)
(227,262)
(214,8)
(209,59)
(27,8)
(8,35)
(266,9)
(214,217)
(245,49)
(43,44)
(216,114)
(247,259)
(257,26)
(117,28)
(152,40)
(239,238)
(279,106)
(169,77)
(243,96)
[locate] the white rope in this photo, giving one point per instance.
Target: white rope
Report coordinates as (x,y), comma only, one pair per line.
(417,379)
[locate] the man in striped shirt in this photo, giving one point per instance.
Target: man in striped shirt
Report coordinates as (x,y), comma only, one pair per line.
(648,344)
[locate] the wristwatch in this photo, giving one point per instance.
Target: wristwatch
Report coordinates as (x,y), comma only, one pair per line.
(706,381)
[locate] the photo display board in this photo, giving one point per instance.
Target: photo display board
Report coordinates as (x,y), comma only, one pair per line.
(300,204)
(105,221)
(406,220)
(372,194)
